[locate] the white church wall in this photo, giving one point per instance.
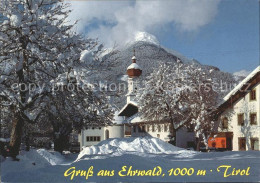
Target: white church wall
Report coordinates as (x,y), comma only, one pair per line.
(92,136)
(158,131)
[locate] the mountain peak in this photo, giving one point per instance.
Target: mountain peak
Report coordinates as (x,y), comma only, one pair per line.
(144,37)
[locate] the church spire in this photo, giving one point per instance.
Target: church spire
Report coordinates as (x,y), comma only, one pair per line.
(134,58)
(134,70)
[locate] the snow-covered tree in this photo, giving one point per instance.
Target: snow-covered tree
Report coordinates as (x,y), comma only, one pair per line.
(37,47)
(163,95)
(202,101)
(182,94)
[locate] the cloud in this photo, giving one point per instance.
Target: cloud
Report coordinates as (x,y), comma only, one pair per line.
(119,21)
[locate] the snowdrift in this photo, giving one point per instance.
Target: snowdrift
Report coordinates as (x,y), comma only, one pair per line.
(54,158)
(34,159)
(139,145)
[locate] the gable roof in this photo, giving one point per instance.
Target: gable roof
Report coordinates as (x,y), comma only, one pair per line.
(129,109)
(242,83)
(240,90)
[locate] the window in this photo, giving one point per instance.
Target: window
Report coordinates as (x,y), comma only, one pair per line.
(134,129)
(253,119)
(107,134)
(147,128)
(254,144)
(93,138)
(98,138)
(143,128)
(242,143)
(159,127)
(153,128)
(165,127)
(225,123)
(139,129)
(253,94)
(240,119)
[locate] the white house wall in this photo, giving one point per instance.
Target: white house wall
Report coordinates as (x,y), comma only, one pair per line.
(244,105)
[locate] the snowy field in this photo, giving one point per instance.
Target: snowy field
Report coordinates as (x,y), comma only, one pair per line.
(116,156)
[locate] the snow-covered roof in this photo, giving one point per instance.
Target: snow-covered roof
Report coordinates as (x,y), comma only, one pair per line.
(117,119)
(133,66)
(134,119)
(242,83)
(131,103)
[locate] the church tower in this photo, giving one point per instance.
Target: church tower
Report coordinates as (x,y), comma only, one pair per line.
(133,72)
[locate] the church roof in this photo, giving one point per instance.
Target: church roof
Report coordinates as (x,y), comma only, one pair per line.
(129,109)
(134,119)
(133,66)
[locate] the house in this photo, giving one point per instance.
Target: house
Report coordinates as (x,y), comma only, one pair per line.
(239,115)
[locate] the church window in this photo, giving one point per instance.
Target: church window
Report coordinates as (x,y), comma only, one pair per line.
(143,128)
(159,127)
(147,128)
(153,128)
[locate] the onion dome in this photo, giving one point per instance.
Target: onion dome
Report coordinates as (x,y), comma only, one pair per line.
(134,70)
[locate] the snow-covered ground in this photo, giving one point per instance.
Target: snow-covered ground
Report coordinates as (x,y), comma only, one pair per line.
(140,153)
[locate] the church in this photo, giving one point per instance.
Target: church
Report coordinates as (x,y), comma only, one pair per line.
(128,122)
(237,124)
(141,127)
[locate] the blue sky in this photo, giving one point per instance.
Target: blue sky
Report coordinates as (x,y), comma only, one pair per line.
(230,41)
(223,33)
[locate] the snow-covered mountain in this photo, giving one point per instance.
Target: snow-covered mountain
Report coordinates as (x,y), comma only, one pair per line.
(239,75)
(144,37)
(149,54)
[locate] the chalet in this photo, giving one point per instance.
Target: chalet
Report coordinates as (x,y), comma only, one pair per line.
(239,115)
